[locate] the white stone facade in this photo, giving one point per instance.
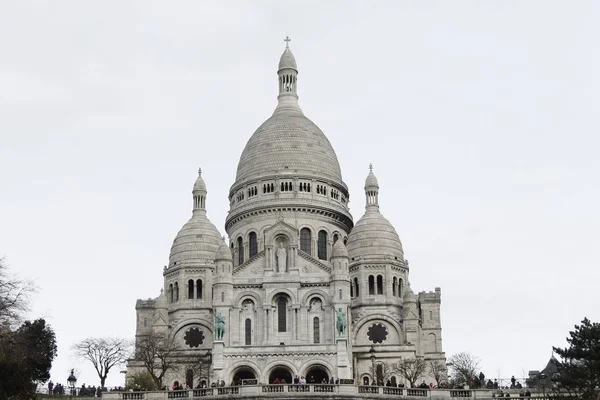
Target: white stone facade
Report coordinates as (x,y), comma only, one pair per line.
(295,269)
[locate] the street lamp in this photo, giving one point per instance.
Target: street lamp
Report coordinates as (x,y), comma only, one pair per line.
(72,380)
(372,353)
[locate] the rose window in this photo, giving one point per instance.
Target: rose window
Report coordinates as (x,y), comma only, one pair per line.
(377,333)
(194,337)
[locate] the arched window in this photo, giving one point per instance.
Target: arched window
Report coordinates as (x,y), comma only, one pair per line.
(340,293)
(430,315)
(400,287)
(322,245)
(379,284)
(335,237)
(248,332)
(371,284)
(240,245)
(170,294)
(145,322)
(356,287)
(199,289)
(316,332)
(191,289)
(305,240)
(281,315)
(176,288)
(222,297)
(394,284)
(352,290)
(253,244)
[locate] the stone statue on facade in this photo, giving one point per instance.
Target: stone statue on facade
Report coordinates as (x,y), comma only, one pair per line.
(220,326)
(315,305)
(281,258)
(341,322)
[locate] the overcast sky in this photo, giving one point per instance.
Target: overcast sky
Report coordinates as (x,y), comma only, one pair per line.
(480,118)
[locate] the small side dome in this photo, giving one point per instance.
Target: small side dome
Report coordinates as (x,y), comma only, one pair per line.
(339,249)
(223,252)
(373,236)
(196,242)
(287,60)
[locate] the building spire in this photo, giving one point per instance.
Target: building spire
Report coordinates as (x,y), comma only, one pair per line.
(371,190)
(287,76)
(199,193)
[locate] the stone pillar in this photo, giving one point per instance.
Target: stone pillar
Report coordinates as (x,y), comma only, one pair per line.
(217,360)
(343,363)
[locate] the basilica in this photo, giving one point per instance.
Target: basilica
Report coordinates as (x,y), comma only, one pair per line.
(298,288)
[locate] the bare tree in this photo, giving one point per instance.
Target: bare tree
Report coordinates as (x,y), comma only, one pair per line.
(438,371)
(411,369)
(14,295)
(103,353)
(465,368)
(156,353)
(385,372)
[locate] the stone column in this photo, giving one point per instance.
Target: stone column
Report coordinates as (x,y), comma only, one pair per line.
(217,359)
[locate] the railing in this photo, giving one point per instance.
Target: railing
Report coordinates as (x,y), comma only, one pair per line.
(393,391)
(134,396)
(368,389)
(310,390)
(273,388)
(460,393)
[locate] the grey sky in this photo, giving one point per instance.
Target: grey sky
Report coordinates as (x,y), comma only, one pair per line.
(481,120)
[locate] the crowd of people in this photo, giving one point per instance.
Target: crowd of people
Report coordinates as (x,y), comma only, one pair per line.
(83,391)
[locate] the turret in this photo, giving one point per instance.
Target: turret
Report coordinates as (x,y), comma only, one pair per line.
(223,283)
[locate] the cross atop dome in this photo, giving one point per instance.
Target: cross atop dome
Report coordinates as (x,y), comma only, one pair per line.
(287,41)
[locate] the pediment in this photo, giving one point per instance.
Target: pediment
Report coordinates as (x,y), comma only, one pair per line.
(281,228)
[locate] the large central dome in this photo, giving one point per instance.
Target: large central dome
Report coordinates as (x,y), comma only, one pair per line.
(289,165)
(288,142)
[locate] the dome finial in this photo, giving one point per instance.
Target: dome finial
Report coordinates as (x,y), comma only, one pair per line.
(287,41)
(372,189)
(199,192)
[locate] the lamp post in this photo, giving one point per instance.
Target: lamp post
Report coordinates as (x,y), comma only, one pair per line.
(72,380)
(372,353)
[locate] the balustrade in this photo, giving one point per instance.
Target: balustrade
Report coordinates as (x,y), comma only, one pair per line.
(305,391)
(416,392)
(202,392)
(394,391)
(134,396)
(273,388)
(460,393)
(368,389)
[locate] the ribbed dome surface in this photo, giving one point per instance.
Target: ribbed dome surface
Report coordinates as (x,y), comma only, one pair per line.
(286,142)
(287,60)
(196,242)
(373,236)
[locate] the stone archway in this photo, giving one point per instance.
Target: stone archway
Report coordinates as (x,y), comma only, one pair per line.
(244,375)
(316,373)
(280,373)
